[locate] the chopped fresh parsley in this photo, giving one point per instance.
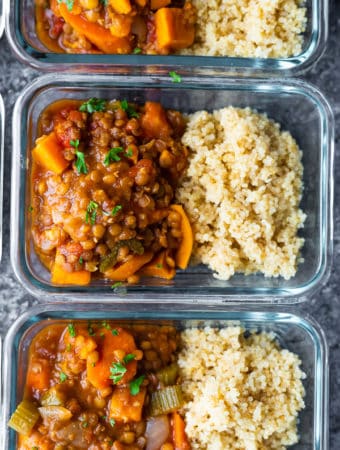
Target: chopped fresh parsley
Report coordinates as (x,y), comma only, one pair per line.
(117,371)
(175,78)
(35,448)
(74,143)
(62,377)
(137,50)
(106,325)
(68,3)
(68,347)
(130,110)
(104,417)
(112,422)
(81,261)
(115,285)
(104,2)
(93,364)
(30,208)
(71,330)
(112,155)
(159,266)
(129,357)
(80,162)
(136,384)
(114,332)
(102,335)
(129,152)
(93,104)
(85,424)
(91,212)
(116,210)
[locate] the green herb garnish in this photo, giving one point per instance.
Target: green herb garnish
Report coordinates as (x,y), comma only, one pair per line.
(130,110)
(117,372)
(91,212)
(81,261)
(93,104)
(115,285)
(116,210)
(68,3)
(129,357)
(80,163)
(71,330)
(74,143)
(93,364)
(112,155)
(62,377)
(137,50)
(68,347)
(84,424)
(175,78)
(106,325)
(112,422)
(136,384)
(159,266)
(114,332)
(129,152)
(30,208)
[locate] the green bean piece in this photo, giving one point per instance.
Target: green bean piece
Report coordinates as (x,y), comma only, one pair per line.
(166,400)
(24,417)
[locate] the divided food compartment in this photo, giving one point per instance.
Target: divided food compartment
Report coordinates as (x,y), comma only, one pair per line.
(20,30)
(299,107)
(300,335)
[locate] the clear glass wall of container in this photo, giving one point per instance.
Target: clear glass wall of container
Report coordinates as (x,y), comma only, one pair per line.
(20,29)
(299,107)
(2,132)
(300,335)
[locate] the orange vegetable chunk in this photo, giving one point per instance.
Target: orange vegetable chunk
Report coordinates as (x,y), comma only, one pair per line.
(154,121)
(180,439)
(121,6)
(125,270)
(125,407)
(158,268)
(38,375)
(184,251)
(98,35)
(99,373)
(48,152)
(34,440)
(172,30)
(156,4)
(61,276)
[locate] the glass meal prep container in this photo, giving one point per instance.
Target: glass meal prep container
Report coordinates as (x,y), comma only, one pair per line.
(2,137)
(300,335)
(299,107)
(20,29)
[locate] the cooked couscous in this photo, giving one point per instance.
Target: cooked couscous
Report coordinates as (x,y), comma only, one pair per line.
(241,392)
(249,28)
(242,192)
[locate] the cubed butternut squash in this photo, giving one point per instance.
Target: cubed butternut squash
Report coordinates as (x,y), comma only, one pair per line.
(125,407)
(121,6)
(48,152)
(130,267)
(60,276)
(154,121)
(172,29)
(156,4)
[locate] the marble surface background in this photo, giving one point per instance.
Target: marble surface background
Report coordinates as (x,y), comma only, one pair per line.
(324,306)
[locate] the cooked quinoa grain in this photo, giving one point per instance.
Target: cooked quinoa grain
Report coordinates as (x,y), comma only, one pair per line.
(242,192)
(249,28)
(241,393)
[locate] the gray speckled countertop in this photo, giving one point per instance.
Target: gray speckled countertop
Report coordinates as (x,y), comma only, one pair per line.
(324,306)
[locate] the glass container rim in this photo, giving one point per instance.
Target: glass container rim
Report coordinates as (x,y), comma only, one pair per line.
(2,151)
(288,295)
(161,64)
(205,312)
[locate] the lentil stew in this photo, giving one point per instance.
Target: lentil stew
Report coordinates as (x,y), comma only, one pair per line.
(115,26)
(100,386)
(104,175)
